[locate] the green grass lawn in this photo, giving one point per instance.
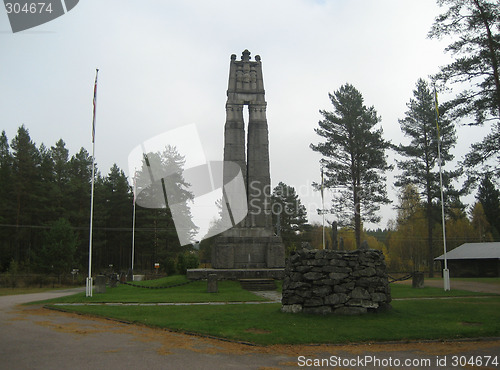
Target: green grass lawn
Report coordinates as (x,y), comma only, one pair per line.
(229,291)
(265,324)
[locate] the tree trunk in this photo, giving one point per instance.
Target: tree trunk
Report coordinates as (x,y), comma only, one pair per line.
(428,189)
(357,217)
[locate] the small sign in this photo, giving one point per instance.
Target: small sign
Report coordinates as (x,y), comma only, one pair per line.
(157,265)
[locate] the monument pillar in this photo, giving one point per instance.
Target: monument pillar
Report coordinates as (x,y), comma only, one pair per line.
(251,243)
(259,179)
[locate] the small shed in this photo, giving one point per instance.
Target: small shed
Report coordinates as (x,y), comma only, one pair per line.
(473,260)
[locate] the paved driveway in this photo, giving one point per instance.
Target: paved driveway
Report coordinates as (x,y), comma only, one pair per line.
(35,338)
(472,286)
(466,285)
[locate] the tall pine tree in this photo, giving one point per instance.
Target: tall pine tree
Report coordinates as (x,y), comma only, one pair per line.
(354,158)
(475,27)
(420,167)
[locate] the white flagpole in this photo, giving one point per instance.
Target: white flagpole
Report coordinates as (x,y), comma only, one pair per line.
(446,272)
(88,291)
(323,206)
(133,225)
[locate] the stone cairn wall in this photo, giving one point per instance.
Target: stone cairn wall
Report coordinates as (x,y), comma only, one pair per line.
(338,282)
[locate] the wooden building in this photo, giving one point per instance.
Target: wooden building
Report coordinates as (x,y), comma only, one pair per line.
(473,260)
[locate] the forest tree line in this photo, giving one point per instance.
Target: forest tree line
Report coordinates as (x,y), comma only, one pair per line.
(45,213)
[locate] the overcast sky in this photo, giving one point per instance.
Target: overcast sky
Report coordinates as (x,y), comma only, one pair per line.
(165,64)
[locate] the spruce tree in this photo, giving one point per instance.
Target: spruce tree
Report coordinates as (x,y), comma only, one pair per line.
(5,174)
(8,208)
(161,187)
(287,207)
(26,181)
(78,201)
(489,197)
(119,203)
(480,225)
(59,245)
(49,201)
(60,159)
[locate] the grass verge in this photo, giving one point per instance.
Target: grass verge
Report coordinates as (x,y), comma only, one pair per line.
(229,291)
(265,324)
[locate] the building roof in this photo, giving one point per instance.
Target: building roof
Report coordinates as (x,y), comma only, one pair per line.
(472,251)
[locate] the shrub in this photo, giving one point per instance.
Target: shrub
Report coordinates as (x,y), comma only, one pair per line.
(186,261)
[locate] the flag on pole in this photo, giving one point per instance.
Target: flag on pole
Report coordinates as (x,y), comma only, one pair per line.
(94,106)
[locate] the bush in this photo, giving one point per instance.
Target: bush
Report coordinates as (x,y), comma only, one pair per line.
(59,246)
(187,261)
(169,266)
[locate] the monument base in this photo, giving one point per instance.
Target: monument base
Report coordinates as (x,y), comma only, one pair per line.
(236,274)
(248,248)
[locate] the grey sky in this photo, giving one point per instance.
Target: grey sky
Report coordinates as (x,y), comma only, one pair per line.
(165,64)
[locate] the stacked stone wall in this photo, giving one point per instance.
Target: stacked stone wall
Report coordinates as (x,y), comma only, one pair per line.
(338,282)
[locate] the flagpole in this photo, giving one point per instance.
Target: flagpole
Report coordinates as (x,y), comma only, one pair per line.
(323,205)
(88,291)
(446,272)
(133,225)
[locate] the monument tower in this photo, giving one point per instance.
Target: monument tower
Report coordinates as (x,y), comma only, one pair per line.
(251,243)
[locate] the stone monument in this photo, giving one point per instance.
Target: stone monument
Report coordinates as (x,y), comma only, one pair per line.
(251,243)
(338,282)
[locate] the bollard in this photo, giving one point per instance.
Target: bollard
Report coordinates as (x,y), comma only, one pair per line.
(418,280)
(212,286)
(100,284)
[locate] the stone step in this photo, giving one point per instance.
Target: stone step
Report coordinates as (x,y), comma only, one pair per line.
(258,284)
